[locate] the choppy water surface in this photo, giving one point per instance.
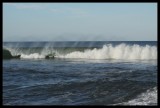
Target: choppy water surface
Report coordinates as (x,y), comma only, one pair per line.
(116,74)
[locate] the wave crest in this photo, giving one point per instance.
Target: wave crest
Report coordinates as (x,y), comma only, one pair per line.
(147,98)
(121,51)
(32,56)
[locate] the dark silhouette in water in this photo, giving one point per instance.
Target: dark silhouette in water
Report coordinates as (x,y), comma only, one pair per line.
(50,56)
(7,55)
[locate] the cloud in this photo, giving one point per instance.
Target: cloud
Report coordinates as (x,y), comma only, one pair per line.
(70,11)
(25,6)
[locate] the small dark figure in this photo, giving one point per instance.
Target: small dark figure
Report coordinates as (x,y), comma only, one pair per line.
(17,56)
(50,56)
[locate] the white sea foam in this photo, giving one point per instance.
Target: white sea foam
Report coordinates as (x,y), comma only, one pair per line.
(32,56)
(147,98)
(121,51)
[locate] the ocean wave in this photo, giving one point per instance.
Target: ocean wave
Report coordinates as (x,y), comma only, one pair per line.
(147,98)
(32,56)
(121,51)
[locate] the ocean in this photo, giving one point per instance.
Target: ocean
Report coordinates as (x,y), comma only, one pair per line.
(112,73)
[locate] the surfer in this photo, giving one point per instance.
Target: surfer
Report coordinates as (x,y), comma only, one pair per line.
(17,56)
(50,56)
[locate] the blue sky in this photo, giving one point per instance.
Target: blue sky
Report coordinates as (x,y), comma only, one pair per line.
(79,21)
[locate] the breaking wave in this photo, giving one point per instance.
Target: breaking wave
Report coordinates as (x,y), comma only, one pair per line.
(32,56)
(147,98)
(121,51)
